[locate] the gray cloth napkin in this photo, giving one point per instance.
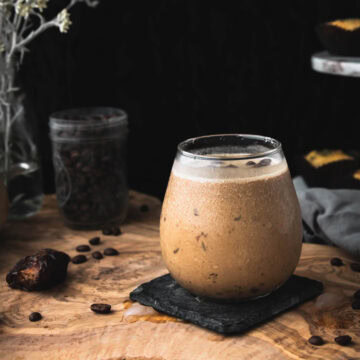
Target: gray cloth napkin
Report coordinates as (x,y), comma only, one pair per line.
(330,216)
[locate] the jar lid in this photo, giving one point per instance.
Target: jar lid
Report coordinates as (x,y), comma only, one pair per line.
(88,123)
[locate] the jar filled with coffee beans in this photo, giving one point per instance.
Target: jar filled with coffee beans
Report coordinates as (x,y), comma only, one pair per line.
(89,156)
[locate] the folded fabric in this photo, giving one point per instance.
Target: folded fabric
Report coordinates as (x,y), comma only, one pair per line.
(330,216)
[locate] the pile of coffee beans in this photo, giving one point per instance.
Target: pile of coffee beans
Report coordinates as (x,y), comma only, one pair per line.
(91,182)
(89,160)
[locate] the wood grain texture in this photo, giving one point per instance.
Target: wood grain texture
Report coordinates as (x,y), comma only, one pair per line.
(69,330)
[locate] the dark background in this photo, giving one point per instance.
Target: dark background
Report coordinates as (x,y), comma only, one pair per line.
(184,68)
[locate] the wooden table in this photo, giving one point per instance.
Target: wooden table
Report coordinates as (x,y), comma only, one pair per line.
(69,330)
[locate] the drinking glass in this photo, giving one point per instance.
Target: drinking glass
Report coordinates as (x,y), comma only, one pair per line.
(230,224)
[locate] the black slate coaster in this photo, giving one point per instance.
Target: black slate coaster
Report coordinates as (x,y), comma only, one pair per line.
(167,296)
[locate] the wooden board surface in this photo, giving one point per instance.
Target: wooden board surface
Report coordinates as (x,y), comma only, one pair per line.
(69,330)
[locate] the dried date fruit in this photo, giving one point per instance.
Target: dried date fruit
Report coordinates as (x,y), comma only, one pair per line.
(83,248)
(336,262)
(94,241)
(79,259)
(316,340)
(101,308)
(35,316)
(40,271)
(343,340)
(110,252)
(97,255)
(355,267)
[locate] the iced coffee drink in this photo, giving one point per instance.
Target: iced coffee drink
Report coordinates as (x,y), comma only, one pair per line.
(230,224)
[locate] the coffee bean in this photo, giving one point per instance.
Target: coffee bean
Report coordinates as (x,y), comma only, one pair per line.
(78,259)
(355,267)
(35,316)
(343,340)
(357,295)
(110,252)
(316,340)
(101,308)
(263,162)
(356,304)
(107,231)
(250,163)
(116,231)
(336,262)
(83,248)
(97,255)
(95,241)
(144,208)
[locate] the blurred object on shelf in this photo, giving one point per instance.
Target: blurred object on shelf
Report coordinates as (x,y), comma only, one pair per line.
(333,169)
(340,37)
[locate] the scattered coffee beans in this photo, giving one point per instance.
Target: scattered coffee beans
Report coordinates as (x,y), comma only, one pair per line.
(144,208)
(336,262)
(355,267)
(97,255)
(35,316)
(112,230)
(110,252)
(356,304)
(357,295)
(343,340)
(94,241)
(79,259)
(83,248)
(316,340)
(101,308)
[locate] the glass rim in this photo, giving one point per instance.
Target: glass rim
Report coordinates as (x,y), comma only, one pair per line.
(118,117)
(265,139)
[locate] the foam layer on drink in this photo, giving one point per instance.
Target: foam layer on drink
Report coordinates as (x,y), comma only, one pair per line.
(228,167)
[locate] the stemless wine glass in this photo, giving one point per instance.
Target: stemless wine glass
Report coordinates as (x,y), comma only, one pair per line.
(230,225)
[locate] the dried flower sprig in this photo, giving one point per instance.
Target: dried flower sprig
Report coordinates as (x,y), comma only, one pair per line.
(21,21)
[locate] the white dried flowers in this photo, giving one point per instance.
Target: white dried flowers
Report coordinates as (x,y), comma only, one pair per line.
(63,21)
(21,21)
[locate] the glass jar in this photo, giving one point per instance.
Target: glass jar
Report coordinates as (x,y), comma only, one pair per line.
(230,225)
(89,156)
(3,203)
